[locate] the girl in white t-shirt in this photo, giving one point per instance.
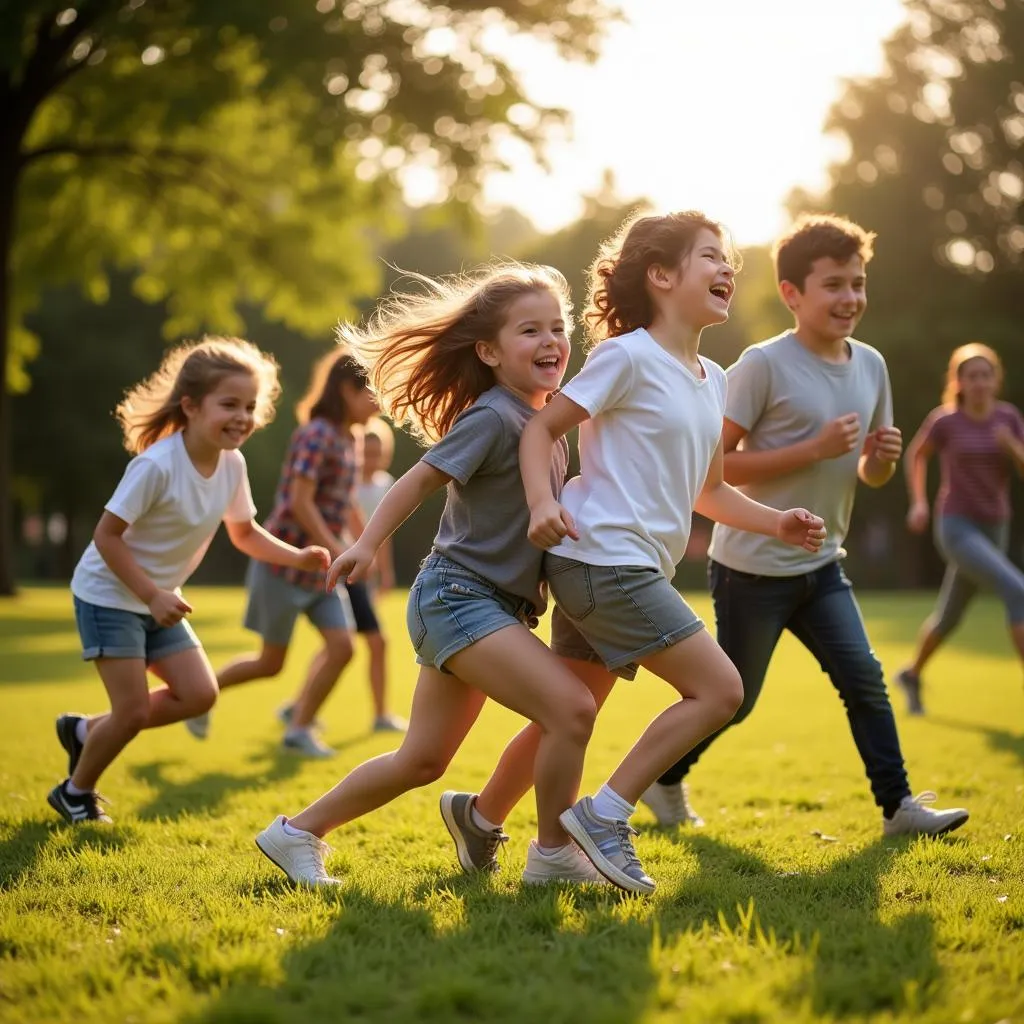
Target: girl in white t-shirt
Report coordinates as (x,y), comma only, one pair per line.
(185,425)
(650,412)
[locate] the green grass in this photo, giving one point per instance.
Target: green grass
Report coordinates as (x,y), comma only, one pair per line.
(788,906)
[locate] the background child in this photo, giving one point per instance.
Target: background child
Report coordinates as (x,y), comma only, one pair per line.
(468,363)
(185,425)
(314,503)
(809,413)
(650,411)
(979,441)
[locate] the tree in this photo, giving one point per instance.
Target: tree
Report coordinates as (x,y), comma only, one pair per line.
(241,152)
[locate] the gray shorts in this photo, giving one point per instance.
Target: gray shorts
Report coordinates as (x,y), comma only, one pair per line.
(451,607)
(274,605)
(614,614)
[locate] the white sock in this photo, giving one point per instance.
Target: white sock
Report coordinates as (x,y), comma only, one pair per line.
(73,790)
(549,851)
(608,804)
(291,830)
(480,821)
(82,729)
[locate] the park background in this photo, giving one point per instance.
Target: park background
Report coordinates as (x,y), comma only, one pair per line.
(175,168)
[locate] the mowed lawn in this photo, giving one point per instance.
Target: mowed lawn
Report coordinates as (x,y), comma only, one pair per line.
(788,906)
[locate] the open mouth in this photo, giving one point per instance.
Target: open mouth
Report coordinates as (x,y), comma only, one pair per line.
(547,362)
(721,291)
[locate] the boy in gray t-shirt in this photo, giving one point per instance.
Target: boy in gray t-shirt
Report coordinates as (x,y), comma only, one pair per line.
(808,414)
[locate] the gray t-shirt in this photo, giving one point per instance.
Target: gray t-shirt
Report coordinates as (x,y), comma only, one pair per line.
(483,526)
(781,393)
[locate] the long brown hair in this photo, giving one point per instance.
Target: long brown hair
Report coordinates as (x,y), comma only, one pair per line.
(419,349)
(618,299)
(951,397)
(323,397)
(152,409)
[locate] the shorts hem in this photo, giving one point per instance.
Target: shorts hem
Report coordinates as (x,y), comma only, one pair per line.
(466,641)
(165,652)
(661,644)
(99,651)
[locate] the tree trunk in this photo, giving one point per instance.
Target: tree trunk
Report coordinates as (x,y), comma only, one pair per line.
(8,186)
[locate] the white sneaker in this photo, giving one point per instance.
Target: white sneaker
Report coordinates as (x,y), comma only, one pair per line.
(569,864)
(913,818)
(199,726)
(300,857)
(671,805)
(302,741)
(390,723)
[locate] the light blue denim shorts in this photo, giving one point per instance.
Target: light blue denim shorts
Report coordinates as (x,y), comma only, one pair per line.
(275,604)
(451,607)
(614,614)
(116,633)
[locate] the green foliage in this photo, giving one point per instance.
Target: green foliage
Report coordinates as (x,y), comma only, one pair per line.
(172,915)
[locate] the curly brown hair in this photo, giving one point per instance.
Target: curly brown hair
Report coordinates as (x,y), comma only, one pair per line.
(419,349)
(618,300)
(152,409)
(819,236)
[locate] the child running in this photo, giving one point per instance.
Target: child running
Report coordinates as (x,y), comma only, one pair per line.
(314,504)
(650,413)
(980,441)
(809,414)
(467,363)
(185,424)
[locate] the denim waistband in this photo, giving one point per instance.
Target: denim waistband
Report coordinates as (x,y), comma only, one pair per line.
(522,608)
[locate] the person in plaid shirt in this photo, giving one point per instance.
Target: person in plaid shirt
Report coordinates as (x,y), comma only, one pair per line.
(315,499)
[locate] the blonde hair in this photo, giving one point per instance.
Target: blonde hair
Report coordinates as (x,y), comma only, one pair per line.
(377,428)
(419,349)
(152,409)
(965,353)
(618,300)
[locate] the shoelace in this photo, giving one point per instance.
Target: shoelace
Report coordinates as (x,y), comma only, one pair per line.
(318,851)
(495,841)
(929,796)
(623,832)
(91,800)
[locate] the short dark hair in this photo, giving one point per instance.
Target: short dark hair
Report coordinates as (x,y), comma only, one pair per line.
(819,236)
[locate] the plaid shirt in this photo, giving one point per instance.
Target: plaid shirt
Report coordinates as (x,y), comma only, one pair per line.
(318,451)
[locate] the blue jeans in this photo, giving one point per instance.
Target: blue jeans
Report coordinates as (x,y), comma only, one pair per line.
(819,609)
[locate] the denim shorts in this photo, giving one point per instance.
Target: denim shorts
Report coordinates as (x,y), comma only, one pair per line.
(274,605)
(451,607)
(614,614)
(116,633)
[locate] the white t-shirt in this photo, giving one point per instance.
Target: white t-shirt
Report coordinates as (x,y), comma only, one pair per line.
(173,512)
(644,453)
(369,494)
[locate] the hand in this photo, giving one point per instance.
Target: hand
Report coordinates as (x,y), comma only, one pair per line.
(167,608)
(885,444)
(350,565)
(917,517)
(313,559)
(839,437)
(549,523)
(802,529)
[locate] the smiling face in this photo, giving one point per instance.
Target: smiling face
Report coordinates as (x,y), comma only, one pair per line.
(978,382)
(698,291)
(531,352)
(225,417)
(832,301)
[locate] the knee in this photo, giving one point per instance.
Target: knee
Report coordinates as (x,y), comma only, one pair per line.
(376,644)
(271,663)
(130,719)
(863,684)
(577,719)
(425,767)
(338,649)
(727,698)
(203,700)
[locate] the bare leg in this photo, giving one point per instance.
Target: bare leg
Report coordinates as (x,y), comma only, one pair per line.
(265,665)
(377,648)
(512,777)
(699,670)
(929,640)
(324,671)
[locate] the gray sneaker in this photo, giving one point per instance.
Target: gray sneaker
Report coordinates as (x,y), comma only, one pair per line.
(302,741)
(199,726)
(913,818)
(477,848)
(286,712)
(671,805)
(608,844)
(910,683)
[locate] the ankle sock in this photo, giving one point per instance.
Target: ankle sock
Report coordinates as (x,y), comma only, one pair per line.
(549,851)
(82,729)
(291,830)
(480,821)
(72,790)
(609,805)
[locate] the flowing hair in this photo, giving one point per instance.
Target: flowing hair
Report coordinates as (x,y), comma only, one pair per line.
(951,397)
(419,348)
(323,398)
(152,409)
(618,300)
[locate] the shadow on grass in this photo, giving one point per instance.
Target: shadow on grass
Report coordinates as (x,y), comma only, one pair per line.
(1002,741)
(22,845)
(861,965)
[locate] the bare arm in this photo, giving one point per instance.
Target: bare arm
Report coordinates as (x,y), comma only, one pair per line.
(1013,447)
(721,501)
(251,539)
(302,495)
(549,522)
(915,469)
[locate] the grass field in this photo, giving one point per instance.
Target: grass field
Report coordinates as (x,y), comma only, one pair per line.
(788,906)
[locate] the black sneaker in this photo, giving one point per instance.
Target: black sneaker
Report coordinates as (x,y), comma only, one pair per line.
(910,684)
(76,808)
(67,733)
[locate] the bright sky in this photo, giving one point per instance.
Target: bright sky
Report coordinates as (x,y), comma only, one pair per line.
(713,104)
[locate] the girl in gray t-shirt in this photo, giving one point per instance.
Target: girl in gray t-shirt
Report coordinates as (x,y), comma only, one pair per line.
(465,363)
